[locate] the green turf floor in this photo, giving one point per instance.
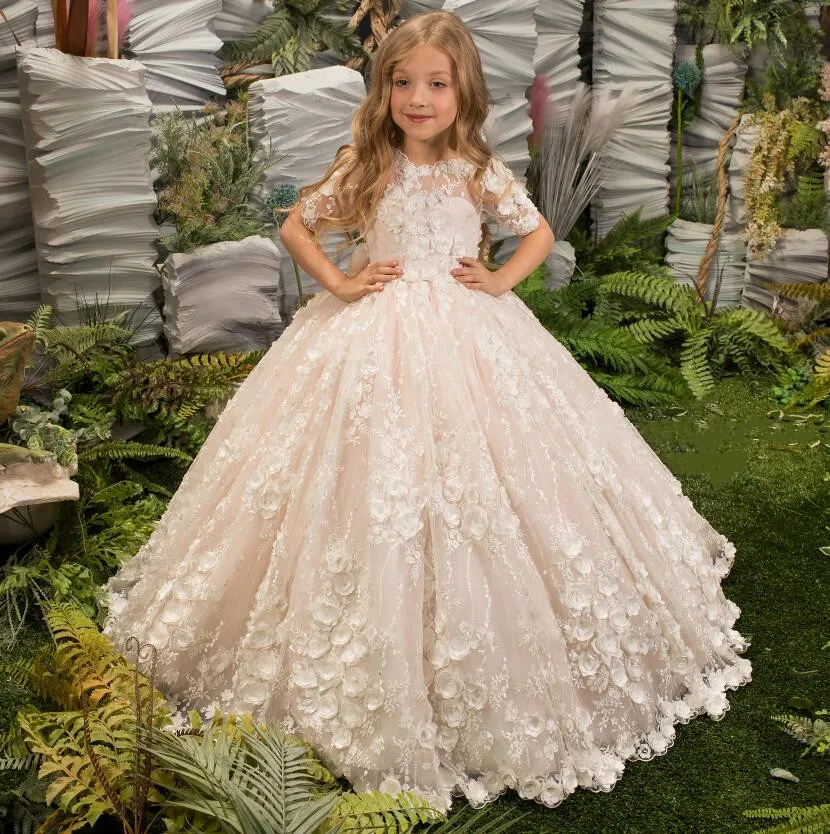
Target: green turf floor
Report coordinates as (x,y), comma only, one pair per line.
(758,482)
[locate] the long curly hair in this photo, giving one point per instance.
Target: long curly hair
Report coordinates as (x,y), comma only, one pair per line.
(366,164)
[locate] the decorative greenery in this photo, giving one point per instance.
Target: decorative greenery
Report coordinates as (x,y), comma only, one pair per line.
(810,389)
(686,78)
(88,748)
(807,207)
(793,69)
(626,314)
(746,22)
(207,171)
(815,734)
(700,201)
(789,143)
(94,382)
(288,38)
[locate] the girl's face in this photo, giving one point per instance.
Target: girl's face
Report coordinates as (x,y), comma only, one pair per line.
(423,102)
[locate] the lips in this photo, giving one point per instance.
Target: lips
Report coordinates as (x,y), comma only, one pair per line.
(417,118)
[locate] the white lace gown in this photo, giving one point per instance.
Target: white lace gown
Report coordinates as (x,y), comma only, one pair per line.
(422,538)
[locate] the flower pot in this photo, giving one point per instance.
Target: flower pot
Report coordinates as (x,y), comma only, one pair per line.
(223,297)
(799,257)
(29,497)
(686,244)
(87,136)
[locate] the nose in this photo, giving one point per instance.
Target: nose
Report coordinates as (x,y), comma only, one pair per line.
(417,97)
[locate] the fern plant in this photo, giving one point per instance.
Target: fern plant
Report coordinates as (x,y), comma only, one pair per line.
(816,389)
(207,171)
(807,207)
(287,39)
(815,733)
(232,775)
(87,749)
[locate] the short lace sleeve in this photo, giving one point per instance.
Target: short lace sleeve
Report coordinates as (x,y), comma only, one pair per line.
(320,201)
(506,200)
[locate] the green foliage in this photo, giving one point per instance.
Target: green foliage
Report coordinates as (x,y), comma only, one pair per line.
(288,38)
(812,820)
(207,171)
(632,244)
(642,336)
(807,208)
(700,201)
(747,22)
(814,732)
(172,394)
(793,69)
(87,747)
(789,143)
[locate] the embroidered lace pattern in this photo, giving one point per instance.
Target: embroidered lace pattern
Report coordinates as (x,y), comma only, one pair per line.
(423,538)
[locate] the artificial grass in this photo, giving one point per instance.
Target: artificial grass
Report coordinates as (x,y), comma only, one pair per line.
(771,500)
(769,497)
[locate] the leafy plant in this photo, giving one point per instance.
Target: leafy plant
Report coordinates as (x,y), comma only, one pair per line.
(789,141)
(745,22)
(88,748)
(207,170)
(687,78)
(793,69)
(235,776)
(817,388)
(815,734)
(288,38)
(626,314)
(700,201)
(807,207)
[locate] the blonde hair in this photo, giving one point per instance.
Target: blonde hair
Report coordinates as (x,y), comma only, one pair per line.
(366,164)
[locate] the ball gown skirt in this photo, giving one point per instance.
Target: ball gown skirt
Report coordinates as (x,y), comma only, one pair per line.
(423,539)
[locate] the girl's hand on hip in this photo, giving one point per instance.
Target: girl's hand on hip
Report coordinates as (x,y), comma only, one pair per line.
(475,275)
(372,278)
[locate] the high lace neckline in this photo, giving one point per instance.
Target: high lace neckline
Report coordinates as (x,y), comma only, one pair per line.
(429,167)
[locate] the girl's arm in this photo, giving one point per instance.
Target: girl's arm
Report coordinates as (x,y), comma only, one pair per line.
(305,250)
(533,248)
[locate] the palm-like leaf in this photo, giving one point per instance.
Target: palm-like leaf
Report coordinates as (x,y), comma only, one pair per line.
(253,780)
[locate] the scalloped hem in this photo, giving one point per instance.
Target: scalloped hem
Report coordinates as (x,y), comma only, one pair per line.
(551,790)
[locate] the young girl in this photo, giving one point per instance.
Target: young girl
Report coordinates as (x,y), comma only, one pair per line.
(420,536)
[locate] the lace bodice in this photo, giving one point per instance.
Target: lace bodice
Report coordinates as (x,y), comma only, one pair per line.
(427,217)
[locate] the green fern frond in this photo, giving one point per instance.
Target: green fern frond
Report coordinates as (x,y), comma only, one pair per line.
(655,290)
(119,450)
(806,141)
(812,292)
(395,814)
(20,763)
(649,330)
(267,38)
(694,363)
(814,732)
(799,820)
(756,324)
(39,321)
(633,229)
